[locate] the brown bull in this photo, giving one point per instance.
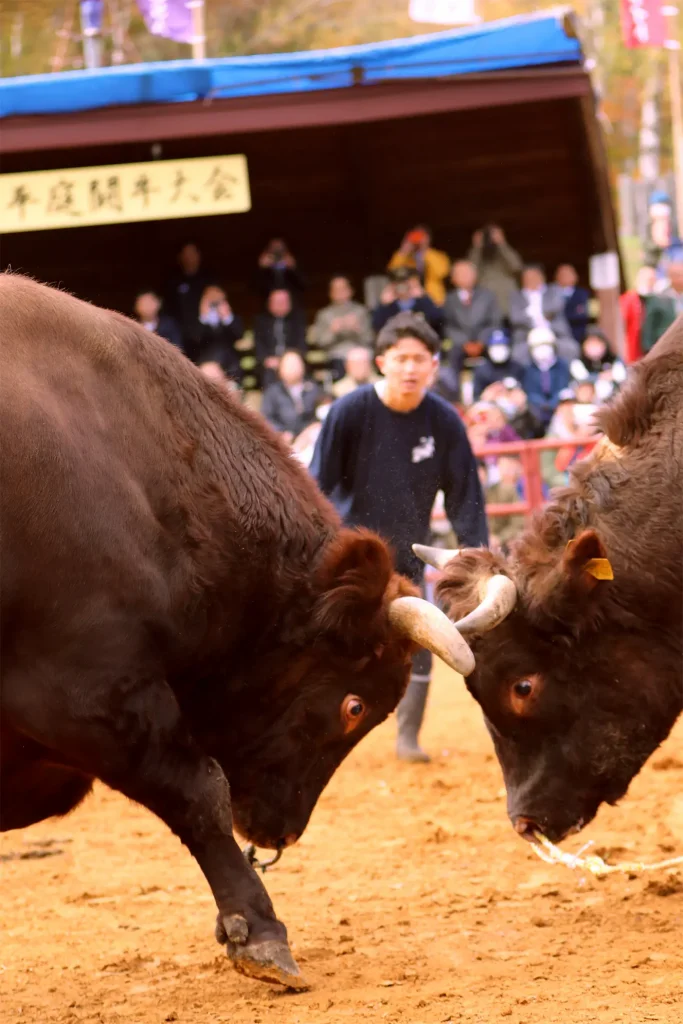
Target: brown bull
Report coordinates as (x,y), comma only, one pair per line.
(183,616)
(579,643)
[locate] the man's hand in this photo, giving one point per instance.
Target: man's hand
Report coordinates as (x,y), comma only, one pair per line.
(387,295)
(478,239)
(265,259)
(224,310)
(497,235)
(287,436)
(271,362)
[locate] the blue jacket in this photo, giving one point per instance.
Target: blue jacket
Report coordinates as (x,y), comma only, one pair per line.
(576,312)
(543,388)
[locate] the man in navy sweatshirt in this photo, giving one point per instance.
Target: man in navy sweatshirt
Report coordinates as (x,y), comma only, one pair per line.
(383,453)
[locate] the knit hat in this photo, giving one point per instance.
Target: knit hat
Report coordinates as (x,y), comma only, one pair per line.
(541,336)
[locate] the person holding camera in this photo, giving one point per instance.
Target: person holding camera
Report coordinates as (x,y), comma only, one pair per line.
(220,328)
(278,270)
(432,265)
(497,263)
(405,294)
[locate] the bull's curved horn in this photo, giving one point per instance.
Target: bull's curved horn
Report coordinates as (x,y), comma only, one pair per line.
(500,597)
(429,627)
(437,557)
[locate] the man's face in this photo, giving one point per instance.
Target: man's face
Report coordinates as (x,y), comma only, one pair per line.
(291,369)
(676,276)
(147,307)
(532,279)
(340,290)
(358,365)
(464,275)
(408,367)
(566,276)
(279,303)
(189,258)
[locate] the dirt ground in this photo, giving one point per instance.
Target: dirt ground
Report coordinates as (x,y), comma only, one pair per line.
(409,899)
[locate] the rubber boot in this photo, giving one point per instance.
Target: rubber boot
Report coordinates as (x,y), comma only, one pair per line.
(410,713)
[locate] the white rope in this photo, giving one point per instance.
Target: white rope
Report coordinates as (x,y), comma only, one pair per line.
(552,854)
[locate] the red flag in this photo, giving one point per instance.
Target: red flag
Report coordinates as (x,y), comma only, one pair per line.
(642,23)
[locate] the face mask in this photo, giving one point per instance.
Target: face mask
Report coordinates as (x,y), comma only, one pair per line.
(603,389)
(499,353)
(507,407)
(543,356)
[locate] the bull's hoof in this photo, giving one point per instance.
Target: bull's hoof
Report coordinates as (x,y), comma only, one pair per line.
(269,960)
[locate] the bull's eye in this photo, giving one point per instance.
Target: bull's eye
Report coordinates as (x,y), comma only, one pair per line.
(523,695)
(352,712)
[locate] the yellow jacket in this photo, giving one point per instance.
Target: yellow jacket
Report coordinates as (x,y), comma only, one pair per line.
(436,268)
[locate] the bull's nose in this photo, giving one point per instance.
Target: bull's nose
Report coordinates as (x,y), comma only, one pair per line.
(526,827)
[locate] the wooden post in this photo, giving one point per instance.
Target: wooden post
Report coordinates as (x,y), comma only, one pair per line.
(198,29)
(673,45)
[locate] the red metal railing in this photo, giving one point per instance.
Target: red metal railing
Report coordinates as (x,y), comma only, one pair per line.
(529,453)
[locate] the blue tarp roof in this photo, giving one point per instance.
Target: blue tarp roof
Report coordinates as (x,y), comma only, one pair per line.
(512,43)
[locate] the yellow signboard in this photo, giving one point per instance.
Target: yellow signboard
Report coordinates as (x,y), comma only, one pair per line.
(122,193)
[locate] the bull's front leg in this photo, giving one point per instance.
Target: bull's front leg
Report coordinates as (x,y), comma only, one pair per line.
(189,791)
(255,939)
(140,745)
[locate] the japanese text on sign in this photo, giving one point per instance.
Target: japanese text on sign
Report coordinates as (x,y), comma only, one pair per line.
(120,193)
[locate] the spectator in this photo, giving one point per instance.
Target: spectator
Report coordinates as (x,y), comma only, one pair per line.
(289,404)
(509,396)
(408,297)
(359,371)
(506,491)
(184,292)
(214,371)
(574,418)
(575,300)
(341,326)
(539,305)
(220,328)
(497,263)
(662,309)
(147,306)
(432,265)
(633,308)
(546,376)
(280,328)
(470,314)
(278,270)
(383,454)
(497,365)
(489,424)
(595,354)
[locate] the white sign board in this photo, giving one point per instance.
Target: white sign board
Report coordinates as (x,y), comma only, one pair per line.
(604,271)
(444,12)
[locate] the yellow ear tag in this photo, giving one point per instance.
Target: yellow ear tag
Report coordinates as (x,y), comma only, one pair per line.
(600,568)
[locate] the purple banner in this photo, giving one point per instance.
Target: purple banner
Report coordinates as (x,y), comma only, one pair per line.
(169,18)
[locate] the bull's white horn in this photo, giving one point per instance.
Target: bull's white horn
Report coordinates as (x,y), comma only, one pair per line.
(429,627)
(500,597)
(438,557)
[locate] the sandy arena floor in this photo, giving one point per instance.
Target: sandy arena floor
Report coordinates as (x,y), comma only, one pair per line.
(409,900)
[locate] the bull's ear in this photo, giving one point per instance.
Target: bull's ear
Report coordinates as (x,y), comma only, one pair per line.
(356,580)
(585,562)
